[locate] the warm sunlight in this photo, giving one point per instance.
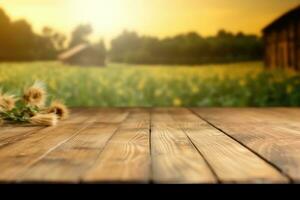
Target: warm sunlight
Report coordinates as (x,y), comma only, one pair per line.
(149,92)
(102,14)
(160,18)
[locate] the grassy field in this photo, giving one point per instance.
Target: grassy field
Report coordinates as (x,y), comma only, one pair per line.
(241,84)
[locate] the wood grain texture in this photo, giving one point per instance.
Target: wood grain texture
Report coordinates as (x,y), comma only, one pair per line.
(174,158)
(273,133)
(160,145)
(126,157)
(231,161)
(70,160)
(10,133)
(16,157)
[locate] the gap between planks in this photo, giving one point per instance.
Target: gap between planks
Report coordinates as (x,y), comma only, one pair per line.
(174,158)
(18,157)
(272,133)
(163,146)
(231,161)
(126,156)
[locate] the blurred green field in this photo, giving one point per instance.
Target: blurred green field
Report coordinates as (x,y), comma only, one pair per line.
(241,84)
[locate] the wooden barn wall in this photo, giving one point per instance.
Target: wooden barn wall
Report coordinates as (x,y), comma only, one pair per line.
(298,44)
(282,46)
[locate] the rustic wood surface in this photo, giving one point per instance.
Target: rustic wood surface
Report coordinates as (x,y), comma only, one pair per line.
(156,145)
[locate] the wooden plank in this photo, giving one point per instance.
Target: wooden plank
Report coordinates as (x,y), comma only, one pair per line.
(71,159)
(14,134)
(126,157)
(17,157)
(97,145)
(231,161)
(10,133)
(272,133)
(174,158)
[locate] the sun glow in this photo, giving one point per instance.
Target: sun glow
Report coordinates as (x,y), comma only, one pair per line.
(101,14)
(160,18)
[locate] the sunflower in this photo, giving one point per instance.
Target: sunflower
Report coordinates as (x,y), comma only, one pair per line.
(35,95)
(7,102)
(59,109)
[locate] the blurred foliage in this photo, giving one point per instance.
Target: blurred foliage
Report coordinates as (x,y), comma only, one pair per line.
(189,48)
(20,43)
(242,84)
(80,34)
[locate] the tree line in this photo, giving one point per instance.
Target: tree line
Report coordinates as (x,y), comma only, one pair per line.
(18,42)
(190,48)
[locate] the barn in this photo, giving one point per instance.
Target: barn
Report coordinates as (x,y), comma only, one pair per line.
(83,55)
(282,41)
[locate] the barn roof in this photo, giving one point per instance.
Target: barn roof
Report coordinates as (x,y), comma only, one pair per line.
(292,14)
(72,52)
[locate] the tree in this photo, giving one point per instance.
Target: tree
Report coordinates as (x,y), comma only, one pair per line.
(189,48)
(5,34)
(80,34)
(23,40)
(57,39)
(19,42)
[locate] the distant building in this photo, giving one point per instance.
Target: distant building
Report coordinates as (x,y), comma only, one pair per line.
(82,55)
(282,41)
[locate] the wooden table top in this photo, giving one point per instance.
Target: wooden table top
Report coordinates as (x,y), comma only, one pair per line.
(156,145)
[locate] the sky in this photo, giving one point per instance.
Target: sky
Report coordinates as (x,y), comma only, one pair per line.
(149,17)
